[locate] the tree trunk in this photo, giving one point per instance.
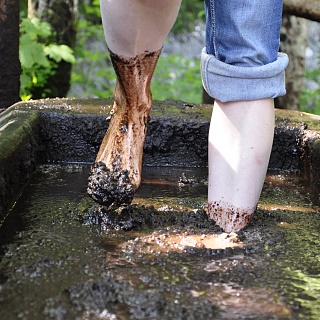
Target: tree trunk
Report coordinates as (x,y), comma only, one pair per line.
(308,9)
(294,36)
(61,14)
(10,68)
(206,99)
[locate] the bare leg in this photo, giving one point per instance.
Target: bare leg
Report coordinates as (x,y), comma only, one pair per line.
(132,27)
(240,142)
(135,32)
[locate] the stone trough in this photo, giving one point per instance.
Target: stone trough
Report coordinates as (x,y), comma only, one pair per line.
(67,260)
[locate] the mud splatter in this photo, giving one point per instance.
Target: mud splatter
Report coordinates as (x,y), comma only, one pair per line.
(229,217)
(110,187)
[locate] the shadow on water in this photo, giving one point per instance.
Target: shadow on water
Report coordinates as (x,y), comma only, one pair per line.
(64,257)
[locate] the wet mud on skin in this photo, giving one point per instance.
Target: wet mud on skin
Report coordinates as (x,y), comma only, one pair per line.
(110,187)
(229,218)
(65,257)
(121,150)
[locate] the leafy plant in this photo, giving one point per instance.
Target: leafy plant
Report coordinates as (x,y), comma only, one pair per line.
(90,10)
(38,56)
(177,77)
(190,12)
(92,75)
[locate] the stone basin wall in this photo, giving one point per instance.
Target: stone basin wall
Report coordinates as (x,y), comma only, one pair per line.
(70,130)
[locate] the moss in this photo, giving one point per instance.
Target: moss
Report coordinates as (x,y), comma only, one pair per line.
(66,105)
(175,108)
(18,153)
(14,130)
(166,108)
(298,119)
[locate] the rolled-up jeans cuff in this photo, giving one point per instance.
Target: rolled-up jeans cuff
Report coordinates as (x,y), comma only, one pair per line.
(233,83)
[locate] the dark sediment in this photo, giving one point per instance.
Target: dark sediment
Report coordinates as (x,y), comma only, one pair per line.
(116,274)
(149,260)
(110,187)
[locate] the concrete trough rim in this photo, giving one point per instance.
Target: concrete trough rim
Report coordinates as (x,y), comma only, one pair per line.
(25,123)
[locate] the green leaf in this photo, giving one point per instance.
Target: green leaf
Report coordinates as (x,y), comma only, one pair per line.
(35,28)
(32,54)
(60,52)
(25,97)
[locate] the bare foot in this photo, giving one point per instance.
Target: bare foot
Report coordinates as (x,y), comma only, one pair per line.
(116,174)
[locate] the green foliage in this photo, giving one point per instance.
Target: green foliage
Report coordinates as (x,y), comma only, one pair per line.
(177,77)
(38,56)
(190,12)
(101,83)
(90,9)
(310,98)
(23,8)
(90,73)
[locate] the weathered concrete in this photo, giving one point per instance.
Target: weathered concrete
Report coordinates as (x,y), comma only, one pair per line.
(19,153)
(71,130)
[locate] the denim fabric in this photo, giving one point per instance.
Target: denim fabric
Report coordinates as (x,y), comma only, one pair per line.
(241,59)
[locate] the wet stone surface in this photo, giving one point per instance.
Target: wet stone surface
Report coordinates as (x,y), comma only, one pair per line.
(65,257)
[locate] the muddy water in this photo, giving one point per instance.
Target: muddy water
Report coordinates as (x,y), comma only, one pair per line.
(64,257)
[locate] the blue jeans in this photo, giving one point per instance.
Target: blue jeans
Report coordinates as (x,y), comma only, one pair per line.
(241,59)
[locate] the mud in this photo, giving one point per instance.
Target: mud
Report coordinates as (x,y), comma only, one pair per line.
(64,257)
(181,241)
(110,187)
(229,218)
(121,149)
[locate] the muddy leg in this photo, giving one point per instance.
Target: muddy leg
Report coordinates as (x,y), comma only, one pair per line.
(135,30)
(116,174)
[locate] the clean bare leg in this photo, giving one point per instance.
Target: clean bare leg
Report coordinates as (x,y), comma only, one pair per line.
(135,32)
(240,142)
(132,27)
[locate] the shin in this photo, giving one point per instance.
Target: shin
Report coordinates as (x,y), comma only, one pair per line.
(240,142)
(135,32)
